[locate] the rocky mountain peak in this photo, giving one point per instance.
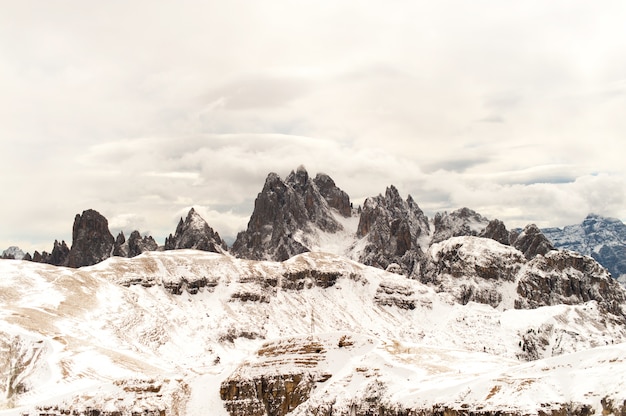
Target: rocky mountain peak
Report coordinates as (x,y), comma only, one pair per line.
(13,252)
(138,244)
(286,212)
(192,233)
(298,179)
(496,230)
(60,254)
(92,241)
(394,230)
(463,221)
(120,247)
(335,197)
(134,246)
(393,198)
(531,242)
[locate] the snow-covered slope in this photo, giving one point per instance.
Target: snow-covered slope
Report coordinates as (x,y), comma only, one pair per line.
(164,330)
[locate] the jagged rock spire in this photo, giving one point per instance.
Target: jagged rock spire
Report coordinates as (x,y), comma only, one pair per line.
(92,241)
(531,242)
(393,229)
(285,209)
(193,233)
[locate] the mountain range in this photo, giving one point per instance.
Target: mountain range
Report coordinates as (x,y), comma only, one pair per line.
(600,237)
(318,308)
(301,214)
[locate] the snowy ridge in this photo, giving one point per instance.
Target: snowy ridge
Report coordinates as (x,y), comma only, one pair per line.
(95,332)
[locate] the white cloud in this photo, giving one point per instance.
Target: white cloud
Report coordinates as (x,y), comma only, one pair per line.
(143,109)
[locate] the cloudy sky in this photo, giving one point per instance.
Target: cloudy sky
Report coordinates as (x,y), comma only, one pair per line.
(142,109)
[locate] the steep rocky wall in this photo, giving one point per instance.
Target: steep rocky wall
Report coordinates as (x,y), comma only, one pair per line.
(274,395)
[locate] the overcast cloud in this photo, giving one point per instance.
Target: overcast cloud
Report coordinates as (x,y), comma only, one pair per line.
(142,109)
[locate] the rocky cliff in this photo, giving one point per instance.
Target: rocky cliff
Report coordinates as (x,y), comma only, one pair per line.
(530,241)
(92,241)
(394,231)
(485,271)
(472,269)
(281,379)
(567,277)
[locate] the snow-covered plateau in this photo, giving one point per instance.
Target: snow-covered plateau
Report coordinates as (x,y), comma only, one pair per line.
(187,332)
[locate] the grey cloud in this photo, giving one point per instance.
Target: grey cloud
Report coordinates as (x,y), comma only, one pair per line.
(146,108)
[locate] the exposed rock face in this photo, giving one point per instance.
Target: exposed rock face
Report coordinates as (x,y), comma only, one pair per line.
(297,365)
(482,270)
(531,242)
(394,229)
(600,237)
(463,221)
(285,211)
(471,268)
(38,257)
(60,254)
(566,277)
(138,244)
(92,241)
(193,233)
(496,230)
(120,248)
(134,246)
(335,197)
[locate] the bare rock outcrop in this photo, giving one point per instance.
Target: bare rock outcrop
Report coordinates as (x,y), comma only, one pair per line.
(60,254)
(531,242)
(567,277)
(462,222)
(496,230)
(134,246)
(394,230)
(334,196)
(92,241)
(471,268)
(192,233)
(295,362)
(285,212)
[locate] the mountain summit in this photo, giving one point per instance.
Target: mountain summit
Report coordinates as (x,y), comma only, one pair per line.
(287,213)
(195,233)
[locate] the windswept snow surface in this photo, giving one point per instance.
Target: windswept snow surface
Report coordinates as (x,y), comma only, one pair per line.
(104,335)
(339,242)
